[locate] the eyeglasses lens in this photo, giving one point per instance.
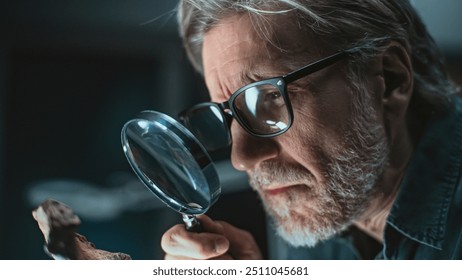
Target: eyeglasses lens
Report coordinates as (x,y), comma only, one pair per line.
(209,126)
(262,109)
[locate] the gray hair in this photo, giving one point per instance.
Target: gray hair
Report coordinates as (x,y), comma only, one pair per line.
(340,24)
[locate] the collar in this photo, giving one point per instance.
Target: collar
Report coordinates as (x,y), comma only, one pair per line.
(420,211)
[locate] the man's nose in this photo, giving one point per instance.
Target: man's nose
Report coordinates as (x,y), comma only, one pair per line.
(248,151)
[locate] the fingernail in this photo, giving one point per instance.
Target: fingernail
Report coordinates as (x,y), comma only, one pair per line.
(221,245)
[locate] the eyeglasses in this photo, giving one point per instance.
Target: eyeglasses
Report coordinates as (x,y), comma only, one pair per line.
(262,108)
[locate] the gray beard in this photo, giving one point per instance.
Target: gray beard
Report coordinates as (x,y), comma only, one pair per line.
(348,189)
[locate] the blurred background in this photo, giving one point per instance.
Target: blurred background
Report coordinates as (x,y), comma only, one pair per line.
(71,74)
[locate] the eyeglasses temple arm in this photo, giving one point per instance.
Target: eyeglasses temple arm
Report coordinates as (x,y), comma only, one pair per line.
(313,67)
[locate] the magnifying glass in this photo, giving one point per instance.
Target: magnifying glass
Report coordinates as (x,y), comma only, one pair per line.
(172,164)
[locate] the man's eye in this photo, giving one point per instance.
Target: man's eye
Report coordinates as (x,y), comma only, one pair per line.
(274,95)
(273,99)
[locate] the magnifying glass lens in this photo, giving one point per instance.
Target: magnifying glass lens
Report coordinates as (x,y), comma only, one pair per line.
(166,165)
(171,163)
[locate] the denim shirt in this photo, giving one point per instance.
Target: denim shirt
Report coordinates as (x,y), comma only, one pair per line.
(425,221)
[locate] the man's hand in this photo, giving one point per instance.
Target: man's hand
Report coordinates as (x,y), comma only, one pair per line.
(219,240)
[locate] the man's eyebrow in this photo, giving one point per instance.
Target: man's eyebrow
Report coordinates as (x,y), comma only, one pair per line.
(255,75)
(246,77)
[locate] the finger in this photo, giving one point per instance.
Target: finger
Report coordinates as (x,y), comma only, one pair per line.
(242,243)
(178,242)
(210,225)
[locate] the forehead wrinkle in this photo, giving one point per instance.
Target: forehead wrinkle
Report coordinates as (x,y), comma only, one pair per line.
(230,82)
(256,63)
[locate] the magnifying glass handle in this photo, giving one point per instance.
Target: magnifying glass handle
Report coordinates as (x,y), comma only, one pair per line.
(192,224)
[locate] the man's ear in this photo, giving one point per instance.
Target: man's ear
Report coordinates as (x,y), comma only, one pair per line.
(398,79)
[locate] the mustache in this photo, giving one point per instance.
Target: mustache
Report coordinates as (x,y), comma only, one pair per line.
(277,173)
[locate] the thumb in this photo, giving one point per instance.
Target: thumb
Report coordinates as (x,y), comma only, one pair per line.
(242,243)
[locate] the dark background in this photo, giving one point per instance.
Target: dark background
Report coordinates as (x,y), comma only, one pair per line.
(71,74)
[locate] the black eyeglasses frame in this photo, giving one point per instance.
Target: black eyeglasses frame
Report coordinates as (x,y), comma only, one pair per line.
(228,110)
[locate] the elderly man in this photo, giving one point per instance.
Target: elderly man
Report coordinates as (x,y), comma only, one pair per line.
(343,118)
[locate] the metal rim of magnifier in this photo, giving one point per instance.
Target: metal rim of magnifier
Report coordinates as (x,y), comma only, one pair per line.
(197,151)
